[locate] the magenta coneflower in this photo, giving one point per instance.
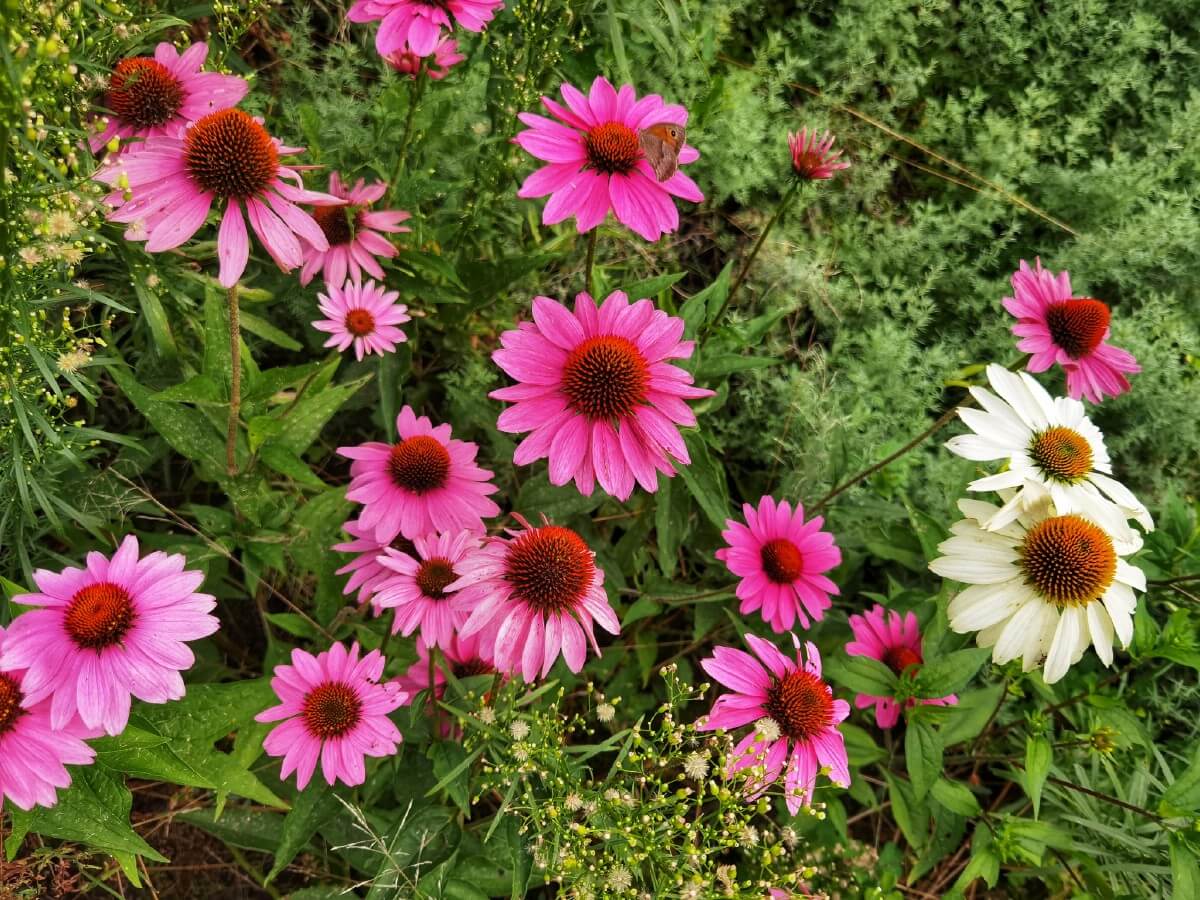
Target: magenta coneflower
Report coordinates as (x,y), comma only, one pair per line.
(418,585)
(597,393)
(462,655)
(364,315)
(113,630)
(445,55)
(354,234)
(416,25)
(160,96)
(226,158)
(813,158)
(332,708)
(781,559)
(366,574)
(533,596)
(895,641)
(794,713)
(32,751)
(1056,327)
(426,481)
(597,162)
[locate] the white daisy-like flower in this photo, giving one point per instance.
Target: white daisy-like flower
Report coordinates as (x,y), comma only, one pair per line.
(1045,586)
(1051,448)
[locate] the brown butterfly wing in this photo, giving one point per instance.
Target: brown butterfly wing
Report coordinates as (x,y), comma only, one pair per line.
(661,144)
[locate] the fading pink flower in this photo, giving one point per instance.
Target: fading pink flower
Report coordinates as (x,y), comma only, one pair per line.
(794,712)
(418,585)
(366,573)
(32,751)
(426,481)
(597,163)
(813,158)
(114,630)
(781,560)
(416,25)
(464,657)
(597,393)
(895,641)
(445,55)
(534,596)
(1056,327)
(332,708)
(226,158)
(354,234)
(364,315)
(160,96)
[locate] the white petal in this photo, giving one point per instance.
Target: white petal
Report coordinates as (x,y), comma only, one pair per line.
(973,571)
(984,605)
(1015,635)
(1101,628)
(1062,647)
(973,446)
(1121,615)
(1129,574)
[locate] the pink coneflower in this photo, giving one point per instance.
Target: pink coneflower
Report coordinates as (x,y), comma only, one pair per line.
(426,481)
(895,641)
(332,707)
(1056,327)
(160,96)
(533,596)
(32,751)
(445,55)
(113,630)
(226,158)
(418,23)
(418,586)
(353,234)
(794,712)
(366,573)
(462,655)
(364,315)
(781,560)
(597,393)
(597,162)
(813,158)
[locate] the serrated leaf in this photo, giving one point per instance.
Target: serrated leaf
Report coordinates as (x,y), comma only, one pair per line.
(922,756)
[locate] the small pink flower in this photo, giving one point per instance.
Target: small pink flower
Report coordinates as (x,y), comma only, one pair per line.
(354,234)
(417,587)
(364,315)
(781,560)
(416,25)
(445,55)
(895,641)
(811,157)
(366,573)
(597,393)
(332,708)
(226,158)
(111,631)
(1056,327)
(533,596)
(597,163)
(427,481)
(795,713)
(160,96)
(32,751)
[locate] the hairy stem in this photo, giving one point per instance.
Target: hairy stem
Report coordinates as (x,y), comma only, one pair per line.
(235,382)
(591,259)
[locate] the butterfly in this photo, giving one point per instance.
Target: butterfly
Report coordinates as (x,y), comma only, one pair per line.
(661,143)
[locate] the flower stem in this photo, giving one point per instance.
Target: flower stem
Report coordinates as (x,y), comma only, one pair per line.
(414,100)
(591,259)
(437,710)
(235,382)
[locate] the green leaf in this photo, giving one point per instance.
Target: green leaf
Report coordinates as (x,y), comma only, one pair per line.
(144,754)
(861,749)
(950,673)
(197,389)
(1038,756)
(863,675)
(241,827)
(184,428)
(522,862)
(909,812)
(922,756)
(641,608)
(984,862)
(716,366)
(1183,796)
(538,495)
(702,307)
(955,796)
(966,719)
(651,287)
(285,462)
(268,332)
(1185,873)
(451,765)
(311,809)
(705,479)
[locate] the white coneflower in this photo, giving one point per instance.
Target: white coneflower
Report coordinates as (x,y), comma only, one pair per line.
(606,712)
(695,766)
(1044,586)
(1051,448)
(519,730)
(620,878)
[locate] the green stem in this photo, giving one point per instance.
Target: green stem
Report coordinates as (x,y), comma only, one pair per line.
(591,259)
(387,636)
(414,101)
(437,710)
(235,383)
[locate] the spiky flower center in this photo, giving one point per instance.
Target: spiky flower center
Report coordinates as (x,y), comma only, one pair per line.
(1078,325)
(606,377)
(801,704)
(337,223)
(550,568)
(433,576)
(900,657)
(1062,454)
(359,322)
(419,464)
(469,667)
(782,561)
(1068,560)
(10,703)
(229,154)
(612,148)
(808,163)
(143,92)
(331,710)
(99,615)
